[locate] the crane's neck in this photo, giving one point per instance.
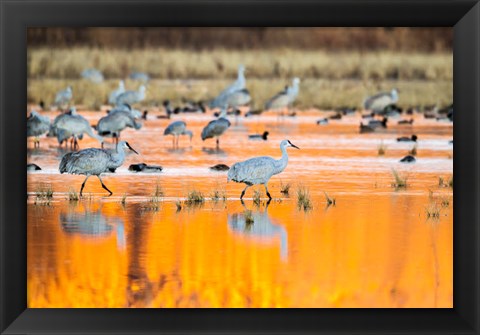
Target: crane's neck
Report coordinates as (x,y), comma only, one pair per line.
(141,93)
(281,163)
(118,157)
(294,90)
(394,95)
(240,80)
(223,113)
(91,133)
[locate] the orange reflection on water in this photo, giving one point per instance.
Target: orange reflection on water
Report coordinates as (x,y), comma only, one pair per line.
(120,257)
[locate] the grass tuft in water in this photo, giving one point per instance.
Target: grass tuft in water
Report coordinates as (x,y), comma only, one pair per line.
(124,199)
(450,182)
(382,148)
(303,198)
(218,195)
(158,191)
(285,188)
(445,202)
(400,182)
(441,182)
(194,198)
(248,217)
(256,197)
(330,201)
(432,211)
(153,204)
(178,203)
(44,192)
(413,151)
(73,195)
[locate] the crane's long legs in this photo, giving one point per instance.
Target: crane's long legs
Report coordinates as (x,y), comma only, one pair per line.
(243,192)
(266,190)
(105,187)
(83,185)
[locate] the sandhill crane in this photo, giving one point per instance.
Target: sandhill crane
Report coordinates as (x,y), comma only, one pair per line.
(216,127)
(72,125)
(237,85)
(135,113)
(238,98)
(259,170)
(176,129)
(93,75)
(413,138)
(63,97)
(113,123)
(37,125)
(235,99)
(94,162)
(140,76)
(259,136)
(378,102)
(285,98)
(131,97)
(112,99)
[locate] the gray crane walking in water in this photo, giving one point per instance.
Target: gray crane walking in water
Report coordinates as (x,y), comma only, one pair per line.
(216,127)
(113,124)
(94,162)
(259,170)
(63,97)
(115,93)
(131,97)
(378,102)
(176,129)
(37,125)
(237,85)
(285,98)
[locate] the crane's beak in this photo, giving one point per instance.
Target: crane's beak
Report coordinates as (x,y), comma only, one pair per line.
(293,145)
(128,145)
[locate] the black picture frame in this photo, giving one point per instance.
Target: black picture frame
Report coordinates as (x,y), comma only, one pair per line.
(17,15)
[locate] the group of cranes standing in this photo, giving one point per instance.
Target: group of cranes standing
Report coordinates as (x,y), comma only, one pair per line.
(95,161)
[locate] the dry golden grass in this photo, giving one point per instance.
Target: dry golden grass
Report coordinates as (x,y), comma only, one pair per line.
(222,64)
(329,80)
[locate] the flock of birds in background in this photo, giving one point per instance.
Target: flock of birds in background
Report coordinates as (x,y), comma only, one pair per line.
(70,126)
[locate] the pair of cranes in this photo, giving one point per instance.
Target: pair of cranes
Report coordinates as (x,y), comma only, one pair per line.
(94,162)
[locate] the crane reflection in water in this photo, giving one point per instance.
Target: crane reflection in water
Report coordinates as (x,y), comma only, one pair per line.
(259,227)
(92,224)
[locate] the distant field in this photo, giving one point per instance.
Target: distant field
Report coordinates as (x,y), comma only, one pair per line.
(318,93)
(328,80)
(219,64)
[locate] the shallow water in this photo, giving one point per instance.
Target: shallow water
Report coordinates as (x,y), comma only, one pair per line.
(375,248)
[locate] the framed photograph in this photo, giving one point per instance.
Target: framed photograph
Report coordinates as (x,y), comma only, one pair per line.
(239,167)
